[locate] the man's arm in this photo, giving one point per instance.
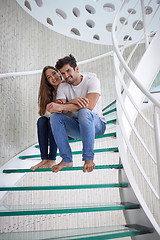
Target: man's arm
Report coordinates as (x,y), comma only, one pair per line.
(93,99)
(72,106)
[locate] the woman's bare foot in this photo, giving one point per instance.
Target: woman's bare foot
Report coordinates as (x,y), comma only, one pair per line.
(61,165)
(48,164)
(88,166)
(40,164)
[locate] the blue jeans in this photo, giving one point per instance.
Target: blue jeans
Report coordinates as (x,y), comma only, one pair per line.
(45,138)
(86,127)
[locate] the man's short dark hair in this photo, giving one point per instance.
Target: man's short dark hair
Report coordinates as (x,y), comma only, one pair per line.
(66,60)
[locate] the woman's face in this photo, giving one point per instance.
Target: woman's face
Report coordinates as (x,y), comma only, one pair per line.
(52,77)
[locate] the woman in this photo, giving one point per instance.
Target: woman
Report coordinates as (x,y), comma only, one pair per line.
(50,81)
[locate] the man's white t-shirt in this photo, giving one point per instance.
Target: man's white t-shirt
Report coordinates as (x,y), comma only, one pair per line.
(89,84)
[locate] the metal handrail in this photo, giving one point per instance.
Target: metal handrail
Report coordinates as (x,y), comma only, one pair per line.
(123,116)
(125,66)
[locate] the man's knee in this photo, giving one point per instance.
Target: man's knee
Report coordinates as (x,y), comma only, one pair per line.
(84,114)
(55,118)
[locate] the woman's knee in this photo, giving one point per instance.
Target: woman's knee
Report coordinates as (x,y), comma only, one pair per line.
(41,121)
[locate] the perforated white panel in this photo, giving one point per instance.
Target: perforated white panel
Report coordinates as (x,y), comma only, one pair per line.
(91,20)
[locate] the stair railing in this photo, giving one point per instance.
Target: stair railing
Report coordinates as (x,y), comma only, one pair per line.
(132,141)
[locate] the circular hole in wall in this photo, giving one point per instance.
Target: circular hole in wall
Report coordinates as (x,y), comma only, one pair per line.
(127,38)
(108,7)
(49,21)
(39,3)
(123,21)
(90,23)
(96,37)
(131,11)
(76,12)
(61,13)
(148,10)
(75,31)
(90,9)
(138,25)
(109,27)
(27,4)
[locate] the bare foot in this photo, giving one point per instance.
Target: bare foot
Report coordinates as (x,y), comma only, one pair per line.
(48,164)
(88,166)
(61,165)
(40,164)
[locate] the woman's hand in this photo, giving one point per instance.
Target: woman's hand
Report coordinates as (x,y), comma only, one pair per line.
(54,107)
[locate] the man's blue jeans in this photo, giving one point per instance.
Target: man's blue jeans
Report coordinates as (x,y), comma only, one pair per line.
(45,136)
(86,127)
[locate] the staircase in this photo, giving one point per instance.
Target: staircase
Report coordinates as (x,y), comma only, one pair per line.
(71,204)
(120,198)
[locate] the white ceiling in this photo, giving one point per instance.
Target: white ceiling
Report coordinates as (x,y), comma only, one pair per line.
(91,20)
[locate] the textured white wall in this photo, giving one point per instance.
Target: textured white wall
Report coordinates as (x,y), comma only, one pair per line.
(27,45)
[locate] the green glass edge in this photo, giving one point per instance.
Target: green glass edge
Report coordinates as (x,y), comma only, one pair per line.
(86,186)
(114,149)
(112,166)
(110,111)
(111,234)
(114,235)
(109,105)
(113,134)
(69,210)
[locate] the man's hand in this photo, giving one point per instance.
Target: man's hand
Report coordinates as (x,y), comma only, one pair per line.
(54,107)
(82,102)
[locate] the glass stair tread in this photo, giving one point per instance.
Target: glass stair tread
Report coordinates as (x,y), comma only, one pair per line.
(109,111)
(111,121)
(21,210)
(63,187)
(22,170)
(112,134)
(99,150)
(94,233)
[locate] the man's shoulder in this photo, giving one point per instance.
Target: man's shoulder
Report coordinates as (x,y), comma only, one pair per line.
(63,85)
(90,78)
(89,75)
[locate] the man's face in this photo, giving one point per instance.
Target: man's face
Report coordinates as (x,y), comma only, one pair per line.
(69,74)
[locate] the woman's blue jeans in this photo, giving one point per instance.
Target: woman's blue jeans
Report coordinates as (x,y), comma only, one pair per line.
(86,127)
(45,138)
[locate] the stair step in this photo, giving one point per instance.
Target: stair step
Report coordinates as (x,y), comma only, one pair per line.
(64,187)
(113,149)
(63,209)
(113,134)
(111,166)
(94,233)
(110,111)
(108,106)
(111,121)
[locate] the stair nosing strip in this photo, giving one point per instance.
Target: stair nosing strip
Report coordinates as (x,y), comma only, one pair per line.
(64,187)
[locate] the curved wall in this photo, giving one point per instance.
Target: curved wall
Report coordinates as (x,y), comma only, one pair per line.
(27,45)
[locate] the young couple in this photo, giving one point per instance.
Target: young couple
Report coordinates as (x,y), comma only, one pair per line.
(79,115)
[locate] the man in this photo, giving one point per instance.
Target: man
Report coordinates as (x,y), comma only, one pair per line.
(80,115)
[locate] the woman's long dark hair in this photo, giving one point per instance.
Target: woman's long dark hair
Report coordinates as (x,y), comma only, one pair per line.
(46,92)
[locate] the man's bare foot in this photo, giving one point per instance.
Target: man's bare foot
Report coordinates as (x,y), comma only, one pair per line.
(40,164)
(48,164)
(61,165)
(88,166)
